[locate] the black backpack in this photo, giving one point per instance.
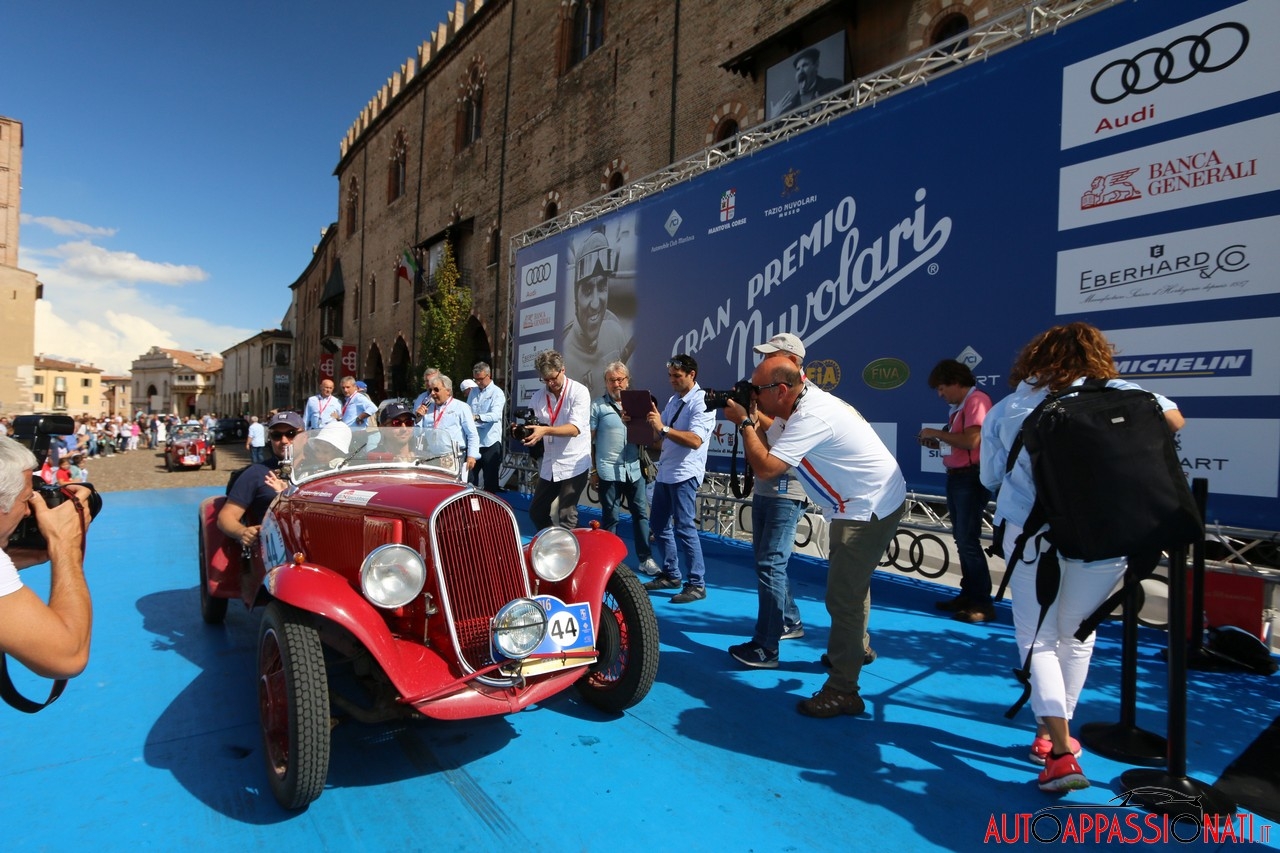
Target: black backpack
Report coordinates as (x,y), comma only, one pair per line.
(1108,484)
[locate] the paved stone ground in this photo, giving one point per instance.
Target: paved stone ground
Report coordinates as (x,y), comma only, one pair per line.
(144,469)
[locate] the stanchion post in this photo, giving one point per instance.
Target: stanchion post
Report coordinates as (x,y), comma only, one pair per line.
(1149,789)
(1123,740)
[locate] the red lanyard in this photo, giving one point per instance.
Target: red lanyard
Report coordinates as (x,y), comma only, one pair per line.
(435,419)
(555,413)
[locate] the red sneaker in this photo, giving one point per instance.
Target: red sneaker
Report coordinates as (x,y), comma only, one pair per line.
(1042,746)
(1062,774)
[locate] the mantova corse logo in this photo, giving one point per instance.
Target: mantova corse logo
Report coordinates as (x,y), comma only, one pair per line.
(885,374)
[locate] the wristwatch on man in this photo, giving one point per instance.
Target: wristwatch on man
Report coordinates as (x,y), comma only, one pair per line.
(663,432)
(745,422)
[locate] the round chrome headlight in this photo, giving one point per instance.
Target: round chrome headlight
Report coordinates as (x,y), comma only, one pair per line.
(392,575)
(555,554)
(518,628)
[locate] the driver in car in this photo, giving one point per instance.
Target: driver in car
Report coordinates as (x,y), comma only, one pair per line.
(395,434)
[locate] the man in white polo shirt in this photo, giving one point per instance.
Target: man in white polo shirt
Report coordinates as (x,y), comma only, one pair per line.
(847,470)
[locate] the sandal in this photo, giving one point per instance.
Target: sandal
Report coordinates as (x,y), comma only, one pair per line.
(831,703)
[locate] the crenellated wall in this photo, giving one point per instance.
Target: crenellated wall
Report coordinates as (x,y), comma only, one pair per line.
(396,83)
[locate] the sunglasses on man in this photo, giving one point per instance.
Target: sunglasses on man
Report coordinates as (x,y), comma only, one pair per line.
(280,434)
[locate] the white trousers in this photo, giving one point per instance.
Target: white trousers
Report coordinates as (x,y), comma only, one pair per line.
(1059,662)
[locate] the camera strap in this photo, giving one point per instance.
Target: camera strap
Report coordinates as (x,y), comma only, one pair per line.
(10,694)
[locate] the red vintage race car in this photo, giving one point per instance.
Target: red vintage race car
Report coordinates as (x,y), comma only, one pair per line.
(188,446)
(380,565)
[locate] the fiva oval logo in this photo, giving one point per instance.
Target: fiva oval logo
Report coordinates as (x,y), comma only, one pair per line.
(885,374)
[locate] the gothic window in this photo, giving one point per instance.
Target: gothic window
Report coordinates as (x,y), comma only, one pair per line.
(586,33)
(471,105)
(353,205)
(397,167)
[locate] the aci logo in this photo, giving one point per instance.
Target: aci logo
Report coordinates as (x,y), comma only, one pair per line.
(673,223)
(885,374)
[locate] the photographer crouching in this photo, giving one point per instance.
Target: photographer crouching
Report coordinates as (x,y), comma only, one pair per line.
(49,639)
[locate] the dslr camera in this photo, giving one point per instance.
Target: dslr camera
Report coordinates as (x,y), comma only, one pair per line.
(740,393)
(522,428)
(34,432)
(525,420)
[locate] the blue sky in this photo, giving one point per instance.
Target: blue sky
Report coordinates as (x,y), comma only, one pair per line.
(178,159)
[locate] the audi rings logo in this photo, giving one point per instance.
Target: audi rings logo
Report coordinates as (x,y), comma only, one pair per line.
(537,273)
(1183,58)
(925,553)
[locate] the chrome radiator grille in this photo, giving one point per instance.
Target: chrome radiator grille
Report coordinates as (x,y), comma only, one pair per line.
(480,567)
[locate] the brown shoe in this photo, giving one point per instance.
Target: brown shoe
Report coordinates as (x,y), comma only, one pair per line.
(976,613)
(831,703)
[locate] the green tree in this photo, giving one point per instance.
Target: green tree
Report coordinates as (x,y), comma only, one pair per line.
(444,321)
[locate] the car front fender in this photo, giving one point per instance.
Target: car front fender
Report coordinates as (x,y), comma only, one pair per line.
(413,668)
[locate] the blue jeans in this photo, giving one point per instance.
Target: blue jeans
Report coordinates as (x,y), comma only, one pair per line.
(966,499)
(611,495)
(256,454)
(773,536)
(674,522)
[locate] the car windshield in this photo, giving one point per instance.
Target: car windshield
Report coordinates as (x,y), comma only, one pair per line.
(336,446)
(187,432)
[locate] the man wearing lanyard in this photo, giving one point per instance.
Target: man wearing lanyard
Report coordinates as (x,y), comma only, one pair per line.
(562,408)
(322,408)
(453,416)
(356,408)
(487,404)
(959,445)
(684,427)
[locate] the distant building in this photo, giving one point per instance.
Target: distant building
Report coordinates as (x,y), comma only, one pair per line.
(177,381)
(256,377)
(19,288)
(117,396)
(66,387)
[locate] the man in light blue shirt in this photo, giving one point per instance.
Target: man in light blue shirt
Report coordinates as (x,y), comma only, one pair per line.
(357,409)
(488,404)
(685,427)
(453,416)
(617,466)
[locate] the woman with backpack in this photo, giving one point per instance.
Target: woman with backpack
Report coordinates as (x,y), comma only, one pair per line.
(1062,357)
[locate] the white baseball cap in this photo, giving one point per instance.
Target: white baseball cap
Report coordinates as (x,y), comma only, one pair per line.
(785,342)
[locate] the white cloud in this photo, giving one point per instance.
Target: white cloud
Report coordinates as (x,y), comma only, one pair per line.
(66,227)
(85,260)
(99,306)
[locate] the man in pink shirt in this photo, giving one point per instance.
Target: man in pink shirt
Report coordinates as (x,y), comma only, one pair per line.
(966,496)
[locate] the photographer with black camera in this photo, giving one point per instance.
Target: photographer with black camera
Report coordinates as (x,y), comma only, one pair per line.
(50,639)
(562,425)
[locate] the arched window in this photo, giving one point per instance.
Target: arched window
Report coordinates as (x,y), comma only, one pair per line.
(552,211)
(950,26)
(373,294)
(585,30)
(397,167)
(471,105)
(616,181)
(353,205)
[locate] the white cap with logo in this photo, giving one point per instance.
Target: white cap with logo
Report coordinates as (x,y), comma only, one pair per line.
(785,343)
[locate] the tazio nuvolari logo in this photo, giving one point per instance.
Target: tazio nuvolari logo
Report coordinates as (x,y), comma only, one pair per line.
(1183,58)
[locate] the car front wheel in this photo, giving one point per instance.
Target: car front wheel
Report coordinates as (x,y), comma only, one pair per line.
(627,644)
(293,703)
